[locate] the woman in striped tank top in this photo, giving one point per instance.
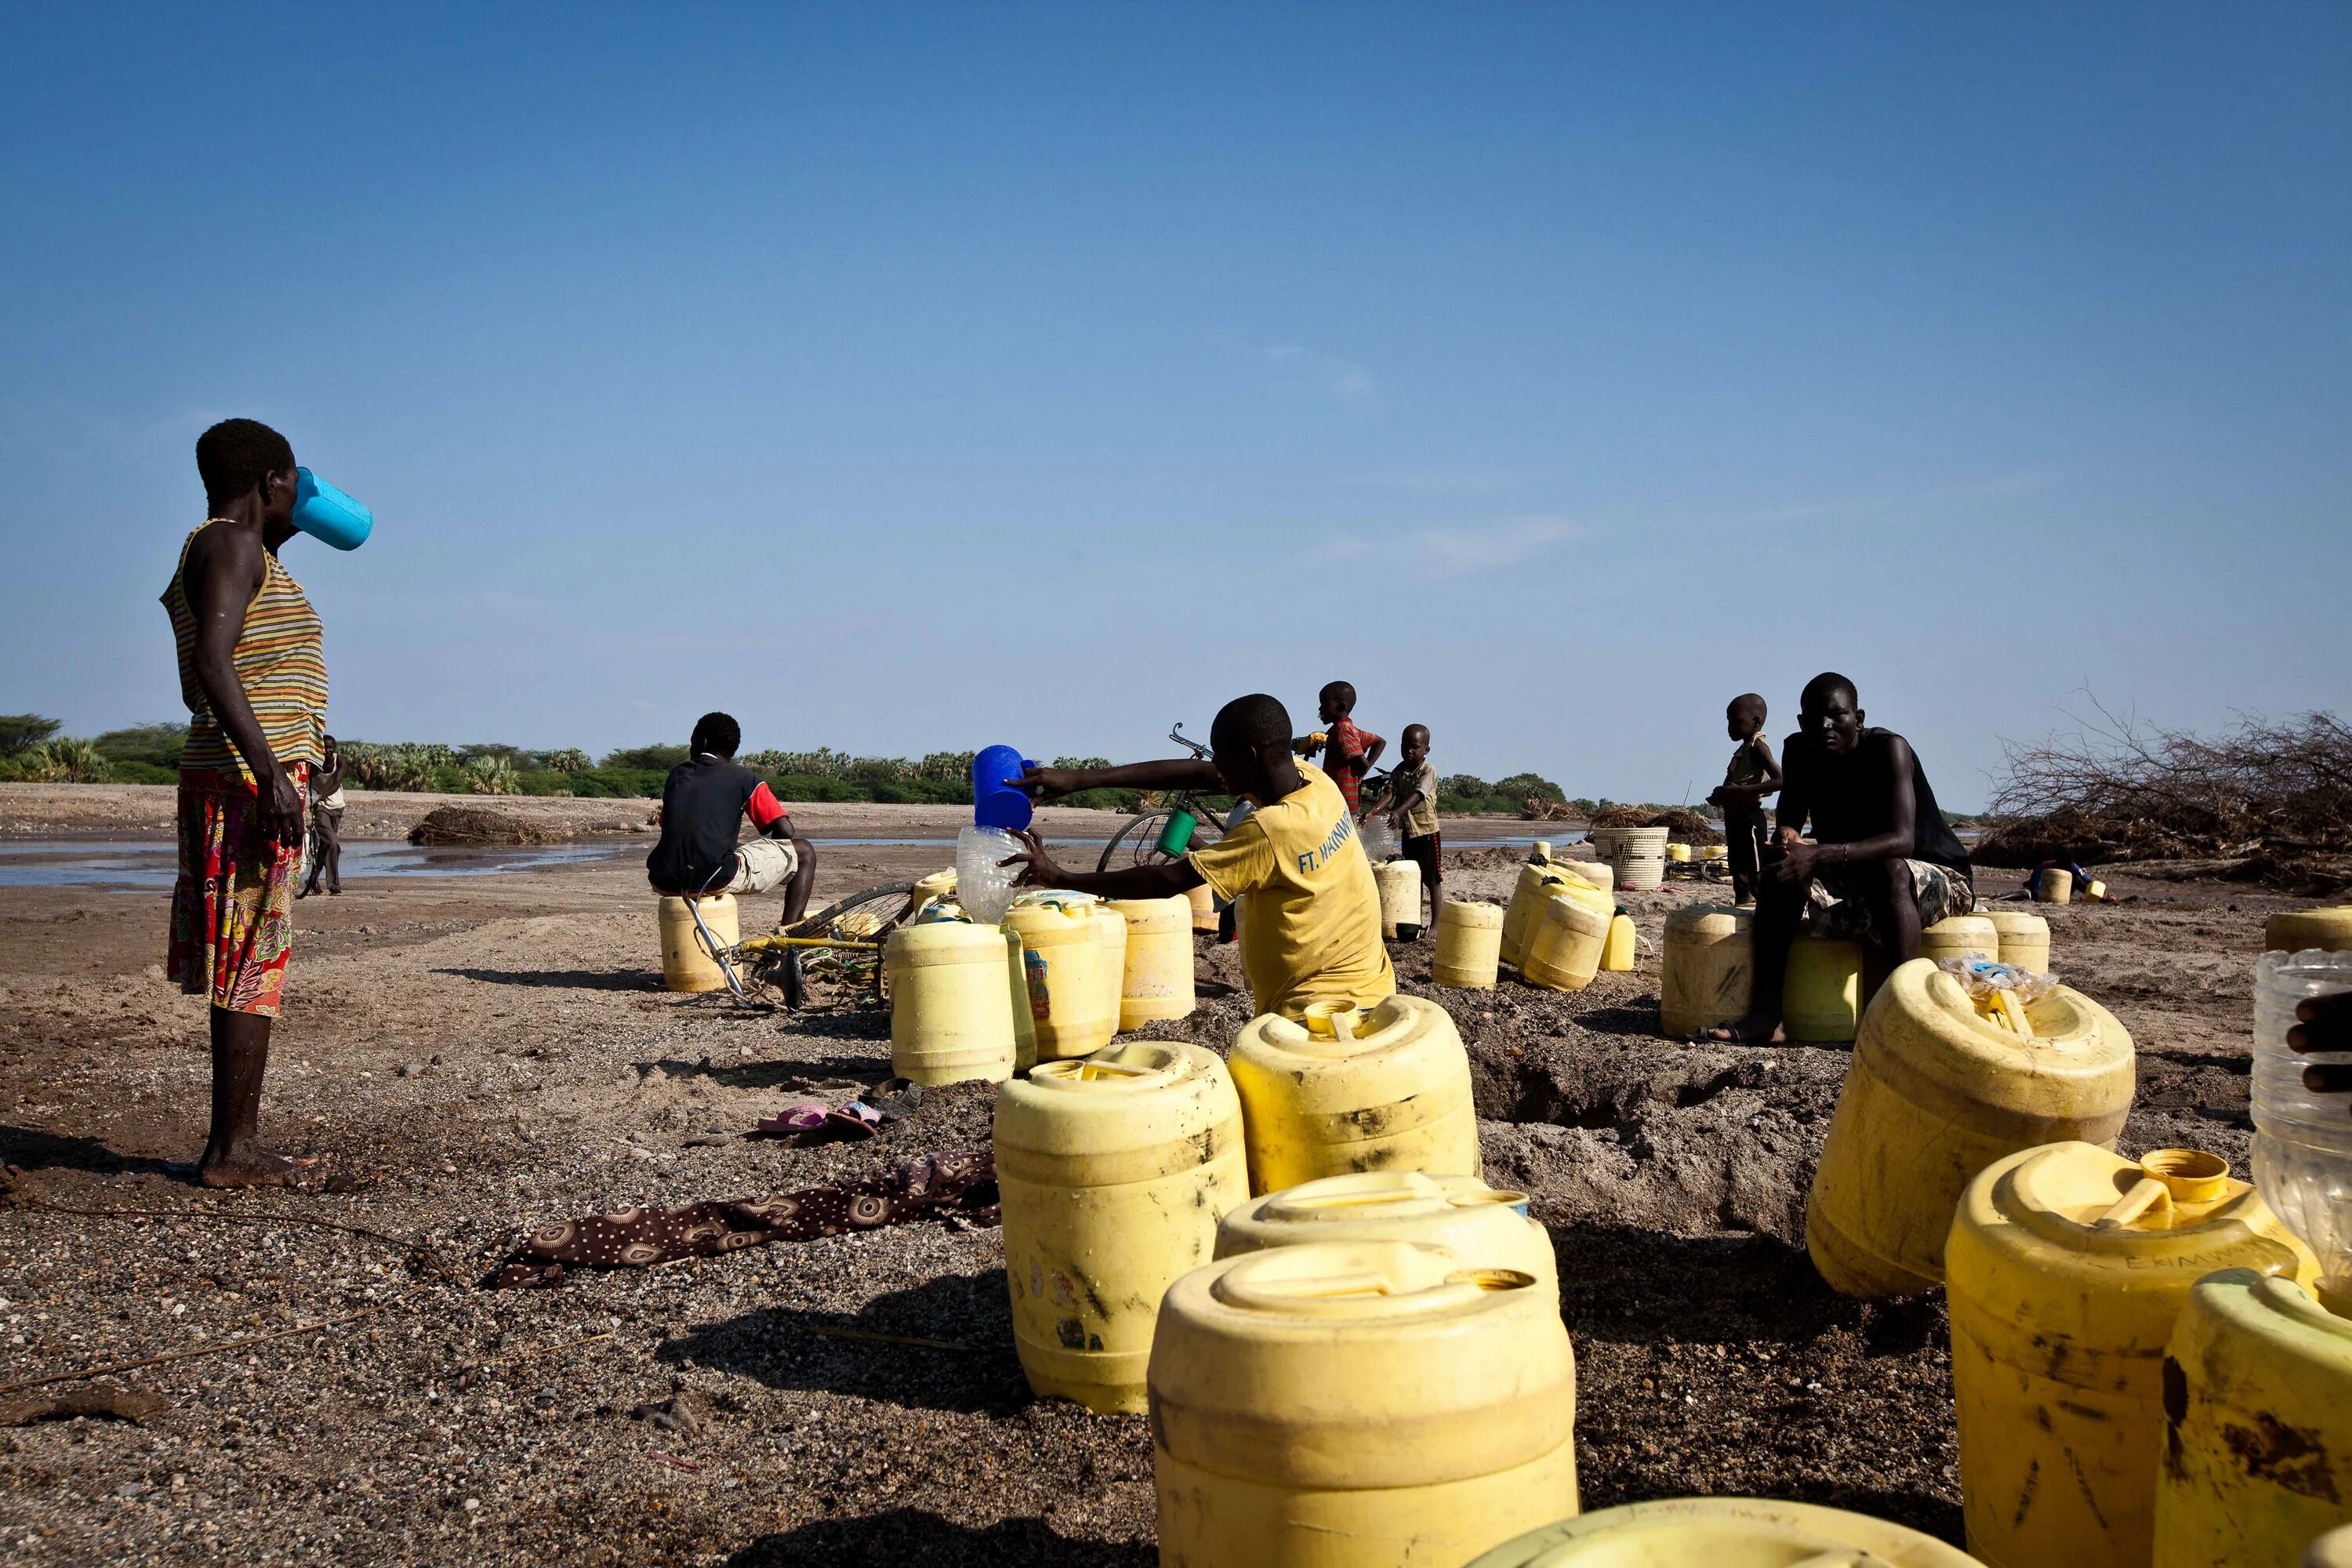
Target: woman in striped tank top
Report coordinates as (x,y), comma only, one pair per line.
(256,684)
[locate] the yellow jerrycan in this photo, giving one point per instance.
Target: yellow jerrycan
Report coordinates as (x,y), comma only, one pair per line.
(1961,936)
(1565,938)
(1935,1094)
(1110,940)
(1347,1091)
(1820,991)
(685,966)
(1367,1405)
(2333,1549)
(1469,945)
(1158,968)
(2024,940)
(2257,1451)
(2065,1268)
(1204,904)
(1539,880)
(1620,951)
(1679,854)
(1114,1171)
(1725,1532)
(938,888)
(1706,972)
(2057,885)
(2295,930)
(950,1006)
(1024,1025)
(1489,1226)
(1075,1007)
(1400,885)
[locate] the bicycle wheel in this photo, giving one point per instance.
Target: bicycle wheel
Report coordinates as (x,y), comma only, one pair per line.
(868,915)
(1137,842)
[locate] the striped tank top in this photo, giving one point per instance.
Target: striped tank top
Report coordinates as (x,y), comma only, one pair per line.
(278,661)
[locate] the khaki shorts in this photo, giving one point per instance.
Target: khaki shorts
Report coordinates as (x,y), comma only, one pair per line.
(764,864)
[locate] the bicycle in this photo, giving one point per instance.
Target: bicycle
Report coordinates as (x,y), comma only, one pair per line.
(844,941)
(1146,835)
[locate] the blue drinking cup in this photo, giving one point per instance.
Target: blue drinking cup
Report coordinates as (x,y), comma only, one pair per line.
(326,513)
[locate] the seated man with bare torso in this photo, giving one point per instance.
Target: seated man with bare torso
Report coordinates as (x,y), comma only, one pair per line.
(1882,864)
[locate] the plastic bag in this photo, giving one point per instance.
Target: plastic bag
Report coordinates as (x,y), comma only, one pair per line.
(1984,980)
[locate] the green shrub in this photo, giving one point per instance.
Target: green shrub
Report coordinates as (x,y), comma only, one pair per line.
(448,779)
(159,744)
(1521,787)
(638,759)
(142,774)
(542,780)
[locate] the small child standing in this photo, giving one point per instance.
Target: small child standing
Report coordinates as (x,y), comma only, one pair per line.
(1411,808)
(1348,751)
(1754,773)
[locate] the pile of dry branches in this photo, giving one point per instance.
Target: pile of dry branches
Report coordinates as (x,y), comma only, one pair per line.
(2278,792)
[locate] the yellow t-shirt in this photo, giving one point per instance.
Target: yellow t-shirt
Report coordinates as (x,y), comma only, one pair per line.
(1310,915)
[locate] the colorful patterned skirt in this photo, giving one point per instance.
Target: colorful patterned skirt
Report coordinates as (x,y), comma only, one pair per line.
(233,907)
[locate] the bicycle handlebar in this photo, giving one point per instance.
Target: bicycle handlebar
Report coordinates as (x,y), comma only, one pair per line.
(1200,752)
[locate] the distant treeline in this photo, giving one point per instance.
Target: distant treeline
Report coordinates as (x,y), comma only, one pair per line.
(31,750)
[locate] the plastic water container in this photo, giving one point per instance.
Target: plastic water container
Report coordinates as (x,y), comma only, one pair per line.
(1400,885)
(1820,991)
(2333,1549)
(950,1003)
(2065,1270)
(686,966)
(1935,1094)
(326,514)
(1157,974)
(1366,1405)
(1074,977)
(2024,940)
(1618,954)
(1204,908)
(1379,839)
(1469,943)
(2329,928)
(1387,1089)
(1724,1532)
(2257,1454)
(1958,936)
(983,886)
(2056,884)
(1489,1225)
(2302,1141)
(1565,940)
(1707,969)
(1114,1170)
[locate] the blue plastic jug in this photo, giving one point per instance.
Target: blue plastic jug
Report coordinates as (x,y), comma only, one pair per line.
(996,802)
(324,513)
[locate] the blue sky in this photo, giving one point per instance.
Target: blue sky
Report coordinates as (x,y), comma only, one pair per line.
(905,379)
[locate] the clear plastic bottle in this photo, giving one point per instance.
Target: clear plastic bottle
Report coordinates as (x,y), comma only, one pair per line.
(2302,1141)
(1380,838)
(983,886)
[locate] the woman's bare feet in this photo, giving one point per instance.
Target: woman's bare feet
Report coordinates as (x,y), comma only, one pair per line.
(1748,1031)
(251,1165)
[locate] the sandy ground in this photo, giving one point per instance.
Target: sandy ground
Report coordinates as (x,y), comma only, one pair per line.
(474,1057)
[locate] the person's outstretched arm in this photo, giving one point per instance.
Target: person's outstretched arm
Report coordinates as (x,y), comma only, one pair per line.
(1175,772)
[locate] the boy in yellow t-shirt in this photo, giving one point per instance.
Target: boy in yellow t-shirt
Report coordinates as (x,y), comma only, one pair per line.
(1310,910)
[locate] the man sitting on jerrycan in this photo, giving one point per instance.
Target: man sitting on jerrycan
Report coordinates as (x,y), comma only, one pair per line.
(1882,866)
(1310,910)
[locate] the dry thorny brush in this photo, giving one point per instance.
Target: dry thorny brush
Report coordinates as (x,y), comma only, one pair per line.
(2275,793)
